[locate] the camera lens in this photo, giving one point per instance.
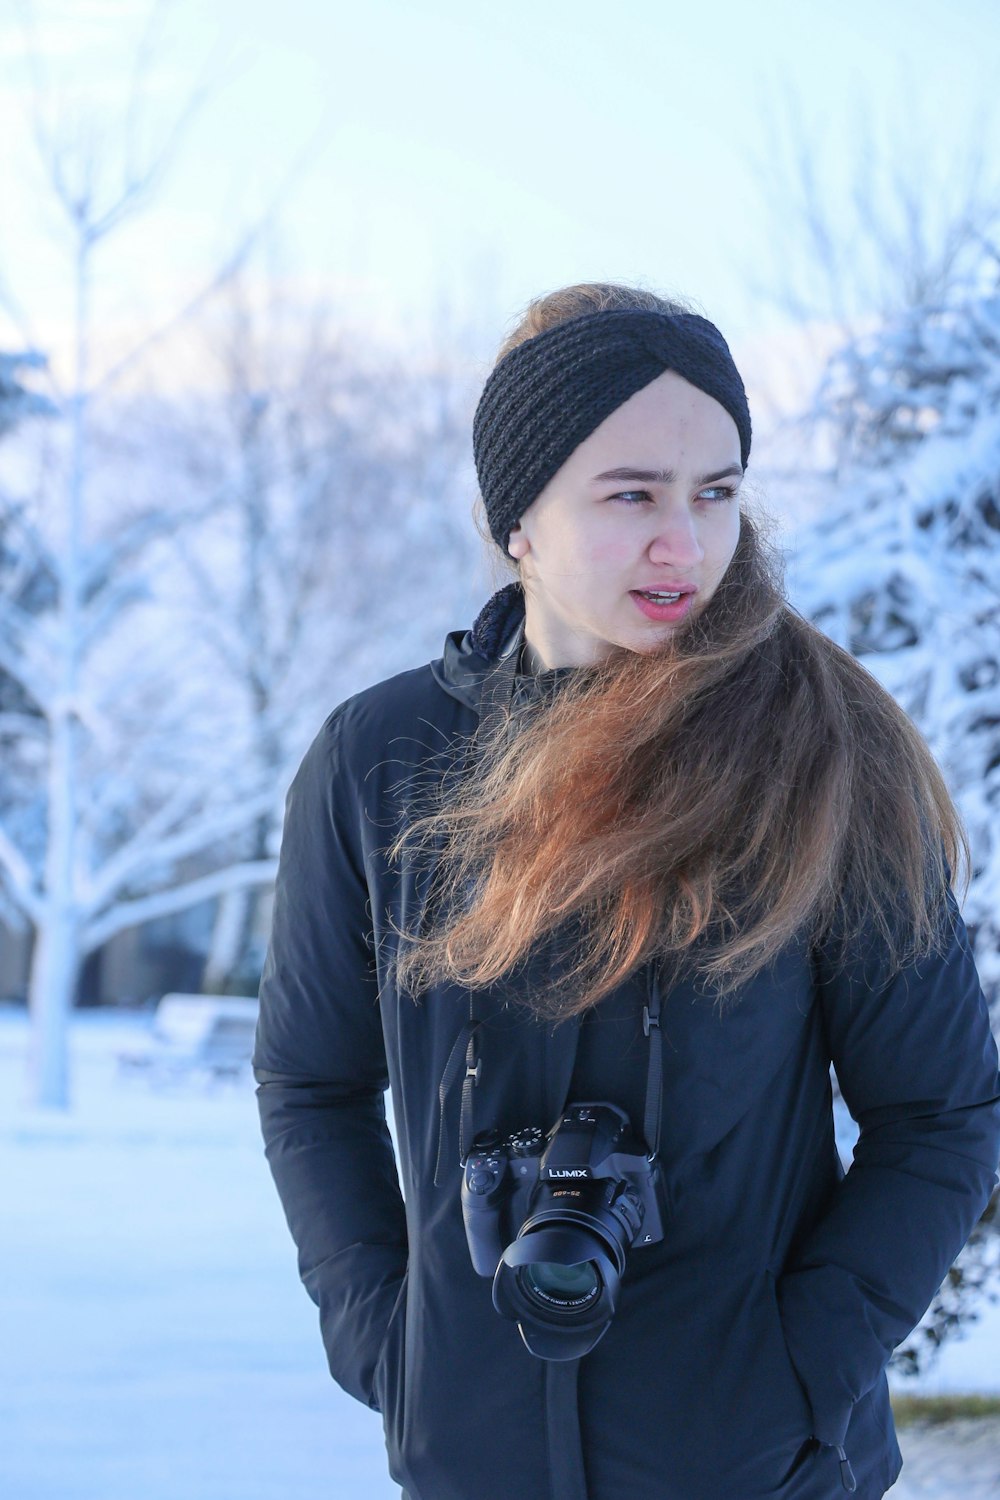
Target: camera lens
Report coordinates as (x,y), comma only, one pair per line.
(585,1199)
(556,1285)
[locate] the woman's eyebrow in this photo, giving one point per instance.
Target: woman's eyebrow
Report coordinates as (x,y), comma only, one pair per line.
(663,476)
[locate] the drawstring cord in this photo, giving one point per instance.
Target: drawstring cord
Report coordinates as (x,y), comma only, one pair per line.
(847,1478)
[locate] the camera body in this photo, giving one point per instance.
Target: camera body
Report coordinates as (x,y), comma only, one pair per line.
(551,1220)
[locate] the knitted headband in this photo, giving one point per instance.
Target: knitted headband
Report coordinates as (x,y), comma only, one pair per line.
(550,392)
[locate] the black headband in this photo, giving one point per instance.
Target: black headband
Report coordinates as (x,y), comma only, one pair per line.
(550,392)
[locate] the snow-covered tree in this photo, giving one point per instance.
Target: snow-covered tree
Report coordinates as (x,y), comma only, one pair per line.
(902,566)
(18,401)
(123,792)
(900,563)
(892,215)
(210,608)
(343,471)
(26,580)
(130,781)
(860,226)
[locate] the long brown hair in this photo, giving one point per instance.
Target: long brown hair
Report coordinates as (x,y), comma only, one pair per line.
(745,782)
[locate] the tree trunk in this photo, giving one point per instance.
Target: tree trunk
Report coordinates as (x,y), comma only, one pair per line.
(54,967)
(226,947)
(56,961)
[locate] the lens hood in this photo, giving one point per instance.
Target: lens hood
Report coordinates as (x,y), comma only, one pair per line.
(557,1328)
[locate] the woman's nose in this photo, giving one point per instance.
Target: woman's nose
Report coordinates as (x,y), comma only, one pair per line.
(676,541)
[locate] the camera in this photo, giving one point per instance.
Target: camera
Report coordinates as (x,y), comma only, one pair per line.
(551,1220)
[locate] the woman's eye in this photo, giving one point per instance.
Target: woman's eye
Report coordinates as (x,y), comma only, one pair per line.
(718,493)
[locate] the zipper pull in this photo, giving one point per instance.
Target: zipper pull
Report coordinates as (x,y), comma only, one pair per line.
(847,1478)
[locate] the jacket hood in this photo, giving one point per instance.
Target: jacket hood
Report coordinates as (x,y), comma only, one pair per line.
(469,655)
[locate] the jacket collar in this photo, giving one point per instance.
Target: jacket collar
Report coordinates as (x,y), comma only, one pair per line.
(497,632)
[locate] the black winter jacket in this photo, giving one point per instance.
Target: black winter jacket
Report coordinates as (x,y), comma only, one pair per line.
(747,1355)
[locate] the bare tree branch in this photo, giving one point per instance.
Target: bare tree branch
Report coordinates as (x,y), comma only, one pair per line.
(234,262)
(133,857)
(898,228)
(20,877)
(259,872)
(71,149)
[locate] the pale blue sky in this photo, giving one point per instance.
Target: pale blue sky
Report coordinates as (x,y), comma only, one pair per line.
(487,153)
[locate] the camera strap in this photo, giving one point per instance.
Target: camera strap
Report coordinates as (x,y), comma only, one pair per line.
(654,1077)
(494,705)
(563,1436)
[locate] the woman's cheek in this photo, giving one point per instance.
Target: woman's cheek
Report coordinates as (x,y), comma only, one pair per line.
(609,553)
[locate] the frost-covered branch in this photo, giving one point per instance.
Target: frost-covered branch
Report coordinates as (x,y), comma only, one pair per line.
(106,560)
(32,667)
(177,898)
(114,601)
(140,853)
(234,262)
(22,725)
(904,570)
(906,225)
(21,877)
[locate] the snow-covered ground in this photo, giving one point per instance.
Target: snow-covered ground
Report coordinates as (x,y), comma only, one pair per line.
(156,1342)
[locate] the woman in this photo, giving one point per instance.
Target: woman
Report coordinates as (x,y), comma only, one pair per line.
(642,841)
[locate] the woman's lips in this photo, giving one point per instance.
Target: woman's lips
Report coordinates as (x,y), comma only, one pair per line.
(675,611)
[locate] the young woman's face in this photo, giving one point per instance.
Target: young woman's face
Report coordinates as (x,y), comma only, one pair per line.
(588,545)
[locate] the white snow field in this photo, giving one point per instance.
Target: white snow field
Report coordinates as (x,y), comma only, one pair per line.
(155,1341)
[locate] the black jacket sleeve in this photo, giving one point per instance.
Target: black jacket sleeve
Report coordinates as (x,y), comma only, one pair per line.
(319,1062)
(917,1066)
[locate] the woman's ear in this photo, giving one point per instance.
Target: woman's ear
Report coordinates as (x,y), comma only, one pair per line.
(517,542)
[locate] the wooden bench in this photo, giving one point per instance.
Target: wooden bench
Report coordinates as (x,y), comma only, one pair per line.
(207,1036)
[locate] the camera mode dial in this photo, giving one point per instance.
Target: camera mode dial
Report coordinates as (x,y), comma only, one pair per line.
(527,1142)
